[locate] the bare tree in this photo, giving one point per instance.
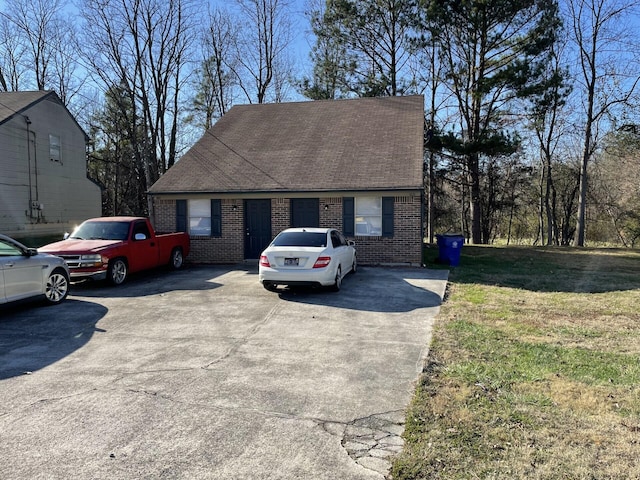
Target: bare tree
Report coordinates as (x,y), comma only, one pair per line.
(37,24)
(39,48)
(12,53)
(139,47)
(262,44)
(549,123)
(607,74)
(215,80)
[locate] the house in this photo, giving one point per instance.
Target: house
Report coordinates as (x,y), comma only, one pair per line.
(44,189)
(355,165)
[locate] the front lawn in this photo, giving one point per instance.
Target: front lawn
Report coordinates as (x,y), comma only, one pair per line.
(534,369)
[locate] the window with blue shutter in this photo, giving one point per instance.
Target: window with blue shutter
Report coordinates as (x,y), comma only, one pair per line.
(387,216)
(216,218)
(181,215)
(348,216)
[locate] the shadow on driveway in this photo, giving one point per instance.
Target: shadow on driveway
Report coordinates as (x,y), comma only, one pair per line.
(378,289)
(34,336)
(155,282)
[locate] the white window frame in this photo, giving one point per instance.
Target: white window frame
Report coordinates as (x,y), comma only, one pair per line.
(368,216)
(199,217)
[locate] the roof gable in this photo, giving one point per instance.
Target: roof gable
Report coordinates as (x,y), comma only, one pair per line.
(360,144)
(18,103)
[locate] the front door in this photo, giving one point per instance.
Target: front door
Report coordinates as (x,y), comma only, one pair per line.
(257,222)
(305,212)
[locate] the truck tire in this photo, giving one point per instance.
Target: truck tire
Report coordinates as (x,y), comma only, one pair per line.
(176,261)
(117,272)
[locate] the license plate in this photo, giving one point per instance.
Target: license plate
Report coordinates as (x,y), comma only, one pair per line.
(291,262)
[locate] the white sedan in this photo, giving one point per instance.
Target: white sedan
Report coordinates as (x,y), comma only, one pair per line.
(307,257)
(26,273)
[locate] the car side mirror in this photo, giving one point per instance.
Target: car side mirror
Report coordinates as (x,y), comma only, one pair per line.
(66,235)
(31,252)
(140,236)
(351,243)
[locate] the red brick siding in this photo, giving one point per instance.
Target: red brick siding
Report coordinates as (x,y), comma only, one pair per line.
(280,215)
(229,248)
(403,248)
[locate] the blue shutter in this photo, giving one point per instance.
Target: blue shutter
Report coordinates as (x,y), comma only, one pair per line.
(181,215)
(348,216)
(387,216)
(216,218)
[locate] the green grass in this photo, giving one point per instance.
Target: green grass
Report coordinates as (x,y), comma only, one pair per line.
(534,369)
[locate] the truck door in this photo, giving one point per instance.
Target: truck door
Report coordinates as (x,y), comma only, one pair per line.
(144,252)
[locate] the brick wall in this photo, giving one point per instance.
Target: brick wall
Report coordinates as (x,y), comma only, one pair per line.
(404,248)
(226,249)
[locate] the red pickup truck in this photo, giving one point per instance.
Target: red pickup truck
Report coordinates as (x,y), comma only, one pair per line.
(112,247)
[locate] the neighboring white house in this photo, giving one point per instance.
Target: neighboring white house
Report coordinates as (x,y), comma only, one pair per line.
(44,189)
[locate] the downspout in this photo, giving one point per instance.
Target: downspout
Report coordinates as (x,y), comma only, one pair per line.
(33,201)
(30,209)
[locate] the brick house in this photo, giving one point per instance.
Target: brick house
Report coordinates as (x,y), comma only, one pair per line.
(355,165)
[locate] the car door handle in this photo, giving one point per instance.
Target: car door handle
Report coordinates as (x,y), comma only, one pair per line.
(10,264)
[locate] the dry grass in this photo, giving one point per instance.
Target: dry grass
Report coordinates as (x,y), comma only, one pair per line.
(534,371)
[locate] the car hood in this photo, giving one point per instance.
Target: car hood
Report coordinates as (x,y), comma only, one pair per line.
(73,245)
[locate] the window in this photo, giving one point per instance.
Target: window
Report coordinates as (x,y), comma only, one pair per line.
(300,239)
(200,217)
(141,228)
(368,216)
(54,148)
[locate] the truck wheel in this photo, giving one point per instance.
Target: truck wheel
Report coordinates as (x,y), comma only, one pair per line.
(117,272)
(177,259)
(57,287)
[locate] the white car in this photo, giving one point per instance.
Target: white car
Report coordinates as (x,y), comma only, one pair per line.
(26,273)
(307,257)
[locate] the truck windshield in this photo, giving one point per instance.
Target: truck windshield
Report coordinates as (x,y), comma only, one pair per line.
(101,231)
(300,239)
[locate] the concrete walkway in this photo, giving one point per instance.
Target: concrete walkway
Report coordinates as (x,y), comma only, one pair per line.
(204,374)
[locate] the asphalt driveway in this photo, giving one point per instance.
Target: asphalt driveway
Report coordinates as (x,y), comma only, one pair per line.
(203,374)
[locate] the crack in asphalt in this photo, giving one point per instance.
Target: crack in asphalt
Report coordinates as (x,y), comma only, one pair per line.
(243,341)
(371,441)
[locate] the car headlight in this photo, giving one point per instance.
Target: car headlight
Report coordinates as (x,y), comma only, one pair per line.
(94,260)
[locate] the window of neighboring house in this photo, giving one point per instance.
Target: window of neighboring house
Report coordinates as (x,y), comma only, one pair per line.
(55,148)
(368,213)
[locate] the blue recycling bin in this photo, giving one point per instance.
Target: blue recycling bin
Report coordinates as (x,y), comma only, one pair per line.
(450,248)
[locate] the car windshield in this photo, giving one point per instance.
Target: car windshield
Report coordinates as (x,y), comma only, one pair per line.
(102,231)
(300,239)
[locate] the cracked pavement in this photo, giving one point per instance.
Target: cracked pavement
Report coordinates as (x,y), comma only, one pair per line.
(202,373)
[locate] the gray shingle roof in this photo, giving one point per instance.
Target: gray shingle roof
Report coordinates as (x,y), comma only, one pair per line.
(12,103)
(360,144)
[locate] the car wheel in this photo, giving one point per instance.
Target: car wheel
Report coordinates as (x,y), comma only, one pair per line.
(354,266)
(270,286)
(338,282)
(117,272)
(57,287)
(177,259)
